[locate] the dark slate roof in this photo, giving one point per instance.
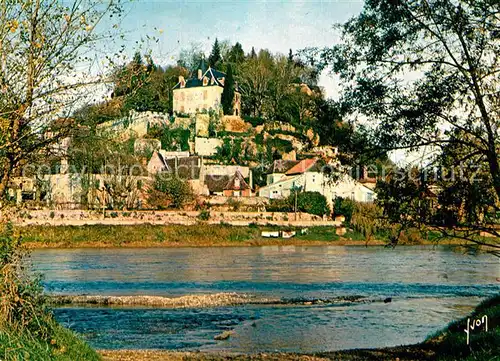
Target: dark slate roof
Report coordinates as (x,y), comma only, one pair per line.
(281,166)
(233,184)
(216,183)
(187,168)
(210,73)
(220,183)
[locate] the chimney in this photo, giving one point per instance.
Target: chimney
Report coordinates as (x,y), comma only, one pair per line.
(365,173)
(199,74)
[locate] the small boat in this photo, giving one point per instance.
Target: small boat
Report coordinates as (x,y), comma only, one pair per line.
(270,234)
(288,234)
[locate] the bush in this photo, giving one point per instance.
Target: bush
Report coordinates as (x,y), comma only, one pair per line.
(344,207)
(234,204)
(169,191)
(280,205)
(255,121)
(204,215)
(28,329)
(312,203)
(308,202)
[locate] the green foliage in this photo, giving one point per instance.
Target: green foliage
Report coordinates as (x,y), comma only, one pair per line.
(236,55)
(215,56)
(255,121)
(312,203)
(366,218)
(169,191)
(22,304)
(27,327)
(204,215)
(280,145)
(344,207)
(172,139)
(447,104)
(280,205)
(307,202)
(227,97)
(232,150)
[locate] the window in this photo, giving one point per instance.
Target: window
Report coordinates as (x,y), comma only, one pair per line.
(236,112)
(236,193)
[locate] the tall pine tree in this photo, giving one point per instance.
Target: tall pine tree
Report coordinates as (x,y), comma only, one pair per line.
(253,54)
(227,97)
(215,57)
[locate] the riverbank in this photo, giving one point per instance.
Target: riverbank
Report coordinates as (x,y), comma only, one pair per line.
(200,235)
(446,345)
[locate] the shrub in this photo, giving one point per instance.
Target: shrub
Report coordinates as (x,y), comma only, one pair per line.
(255,121)
(113,215)
(344,207)
(22,303)
(312,203)
(234,204)
(308,202)
(366,219)
(280,205)
(204,215)
(169,191)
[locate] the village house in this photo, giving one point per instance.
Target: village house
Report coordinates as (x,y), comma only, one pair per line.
(228,186)
(203,93)
(308,176)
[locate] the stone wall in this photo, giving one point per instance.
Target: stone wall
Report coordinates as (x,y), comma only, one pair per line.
(206,146)
(81,217)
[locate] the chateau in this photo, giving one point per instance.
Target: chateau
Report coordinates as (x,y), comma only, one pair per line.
(203,93)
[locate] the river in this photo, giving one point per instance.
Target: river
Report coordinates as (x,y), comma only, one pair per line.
(428,286)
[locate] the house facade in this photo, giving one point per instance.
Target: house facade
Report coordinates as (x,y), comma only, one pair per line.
(308,176)
(202,93)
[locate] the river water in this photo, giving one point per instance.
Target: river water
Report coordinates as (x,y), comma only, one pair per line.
(429,287)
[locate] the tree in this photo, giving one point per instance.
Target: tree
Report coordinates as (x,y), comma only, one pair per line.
(253,54)
(227,97)
(46,72)
(255,83)
(215,56)
(169,191)
(312,202)
(236,55)
(421,72)
(191,58)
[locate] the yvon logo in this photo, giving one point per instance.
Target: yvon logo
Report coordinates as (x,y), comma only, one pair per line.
(476,324)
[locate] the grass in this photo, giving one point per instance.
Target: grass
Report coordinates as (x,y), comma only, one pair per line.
(451,343)
(200,235)
(63,346)
(146,235)
(28,330)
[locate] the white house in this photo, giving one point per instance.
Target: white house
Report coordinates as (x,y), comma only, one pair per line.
(308,176)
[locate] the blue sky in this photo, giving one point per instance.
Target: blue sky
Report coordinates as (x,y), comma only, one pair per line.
(275,25)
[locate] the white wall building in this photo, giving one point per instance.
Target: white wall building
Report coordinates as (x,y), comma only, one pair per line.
(308,176)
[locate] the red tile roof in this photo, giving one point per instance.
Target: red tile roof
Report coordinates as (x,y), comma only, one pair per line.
(303,166)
